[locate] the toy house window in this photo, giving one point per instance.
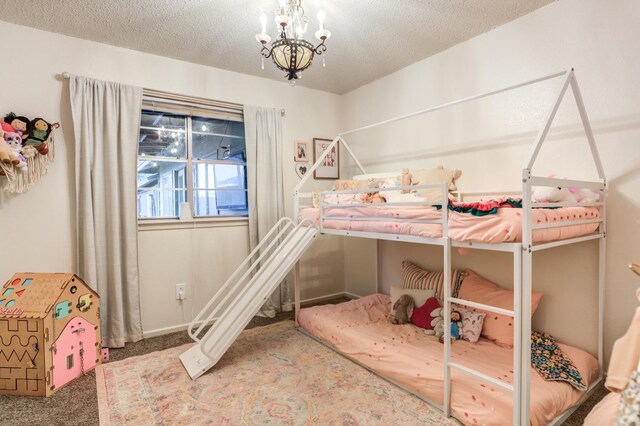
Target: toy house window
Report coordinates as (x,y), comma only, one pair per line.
(188,153)
(69,362)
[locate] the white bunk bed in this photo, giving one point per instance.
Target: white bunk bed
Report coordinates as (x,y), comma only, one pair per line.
(522,251)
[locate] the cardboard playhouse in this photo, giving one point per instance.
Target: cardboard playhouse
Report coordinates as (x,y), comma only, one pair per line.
(49,332)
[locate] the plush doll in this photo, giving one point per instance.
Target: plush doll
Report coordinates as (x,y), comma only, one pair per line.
(403,310)
(438,324)
(373,197)
(40,129)
(14,124)
(14,140)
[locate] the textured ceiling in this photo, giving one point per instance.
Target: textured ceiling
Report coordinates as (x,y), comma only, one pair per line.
(370,38)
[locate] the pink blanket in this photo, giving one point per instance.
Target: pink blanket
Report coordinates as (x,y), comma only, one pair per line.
(359,329)
(504,226)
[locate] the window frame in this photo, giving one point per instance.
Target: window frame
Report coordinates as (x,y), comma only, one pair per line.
(196,108)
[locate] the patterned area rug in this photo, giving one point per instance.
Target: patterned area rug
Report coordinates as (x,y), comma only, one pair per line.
(271,375)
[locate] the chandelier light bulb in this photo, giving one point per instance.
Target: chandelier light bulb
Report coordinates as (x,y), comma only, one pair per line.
(263,21)
(321,18)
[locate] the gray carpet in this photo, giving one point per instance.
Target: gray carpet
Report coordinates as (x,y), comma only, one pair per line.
(77,403)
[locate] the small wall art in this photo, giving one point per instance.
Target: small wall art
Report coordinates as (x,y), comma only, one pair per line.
(301,151)
(329,168)
(302,169)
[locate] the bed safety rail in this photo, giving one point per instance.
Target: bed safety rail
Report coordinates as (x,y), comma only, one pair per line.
(442,218)
(242,295)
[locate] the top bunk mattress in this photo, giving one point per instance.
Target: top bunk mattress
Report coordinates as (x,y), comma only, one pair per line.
(360,330)
(505,226)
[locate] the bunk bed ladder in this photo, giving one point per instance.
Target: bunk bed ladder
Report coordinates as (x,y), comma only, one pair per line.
(513,388)
(242,295)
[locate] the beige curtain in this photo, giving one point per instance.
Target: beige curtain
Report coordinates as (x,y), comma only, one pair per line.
(265,188)
(106,122)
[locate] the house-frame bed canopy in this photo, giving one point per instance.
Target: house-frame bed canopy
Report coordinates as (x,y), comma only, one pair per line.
(522,251)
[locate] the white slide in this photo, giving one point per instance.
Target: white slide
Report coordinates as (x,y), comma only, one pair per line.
(242,295)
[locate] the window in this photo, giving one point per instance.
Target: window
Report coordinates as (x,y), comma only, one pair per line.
(198,157)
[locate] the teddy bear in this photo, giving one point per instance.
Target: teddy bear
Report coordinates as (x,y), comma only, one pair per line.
(407,179)
(403,310)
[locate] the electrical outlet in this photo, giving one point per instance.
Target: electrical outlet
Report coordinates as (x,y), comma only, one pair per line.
(181,291)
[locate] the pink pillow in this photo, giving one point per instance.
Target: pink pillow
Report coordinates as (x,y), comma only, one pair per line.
(422,316)
(496,327)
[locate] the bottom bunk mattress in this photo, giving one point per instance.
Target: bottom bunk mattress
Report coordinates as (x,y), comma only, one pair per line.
(360,330)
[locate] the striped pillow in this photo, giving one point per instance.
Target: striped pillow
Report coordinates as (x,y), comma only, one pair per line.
(414,276)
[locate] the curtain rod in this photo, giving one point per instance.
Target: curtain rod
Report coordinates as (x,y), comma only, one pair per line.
(66,75)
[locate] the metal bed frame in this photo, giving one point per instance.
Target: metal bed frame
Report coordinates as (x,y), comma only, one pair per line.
(522,251)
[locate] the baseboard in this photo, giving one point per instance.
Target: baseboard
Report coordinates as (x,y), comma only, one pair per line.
(351,295)
(182,327)
(168,330)
(324,298)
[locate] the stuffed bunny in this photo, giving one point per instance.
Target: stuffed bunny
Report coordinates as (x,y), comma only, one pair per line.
(403,310)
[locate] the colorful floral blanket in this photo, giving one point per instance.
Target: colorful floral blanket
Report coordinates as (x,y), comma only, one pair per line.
(483,208)
(551,363)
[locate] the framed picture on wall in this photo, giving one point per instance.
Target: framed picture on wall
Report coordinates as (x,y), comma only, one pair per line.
(301,151)
(329,168)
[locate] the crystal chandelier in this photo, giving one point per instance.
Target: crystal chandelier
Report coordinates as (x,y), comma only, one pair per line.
(291,52)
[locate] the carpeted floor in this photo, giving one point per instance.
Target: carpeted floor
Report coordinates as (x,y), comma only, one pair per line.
(77,404)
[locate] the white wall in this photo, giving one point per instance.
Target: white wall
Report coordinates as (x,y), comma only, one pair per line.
(490,140)
(39,226)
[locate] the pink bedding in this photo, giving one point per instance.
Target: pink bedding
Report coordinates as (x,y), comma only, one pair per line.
(504,226)
(429,230)
(605,412)
(359,329)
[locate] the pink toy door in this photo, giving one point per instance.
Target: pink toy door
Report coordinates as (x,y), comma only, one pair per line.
(75,351)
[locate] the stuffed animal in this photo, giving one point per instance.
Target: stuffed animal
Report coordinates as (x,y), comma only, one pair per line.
(14,140)
(14,124)
(407,179)
(373,197)
(403,310)
(40,129)
(557,194)
(551,194)
(438,324)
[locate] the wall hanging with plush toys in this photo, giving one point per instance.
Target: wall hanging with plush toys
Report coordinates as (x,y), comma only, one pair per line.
(26,150)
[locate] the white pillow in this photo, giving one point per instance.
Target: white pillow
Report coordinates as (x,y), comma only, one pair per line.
(418,295)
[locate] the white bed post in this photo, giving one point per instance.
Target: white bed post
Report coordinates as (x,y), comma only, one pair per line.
(524,309)
(517,331)
(602,242)
(524,394)
(447,319)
